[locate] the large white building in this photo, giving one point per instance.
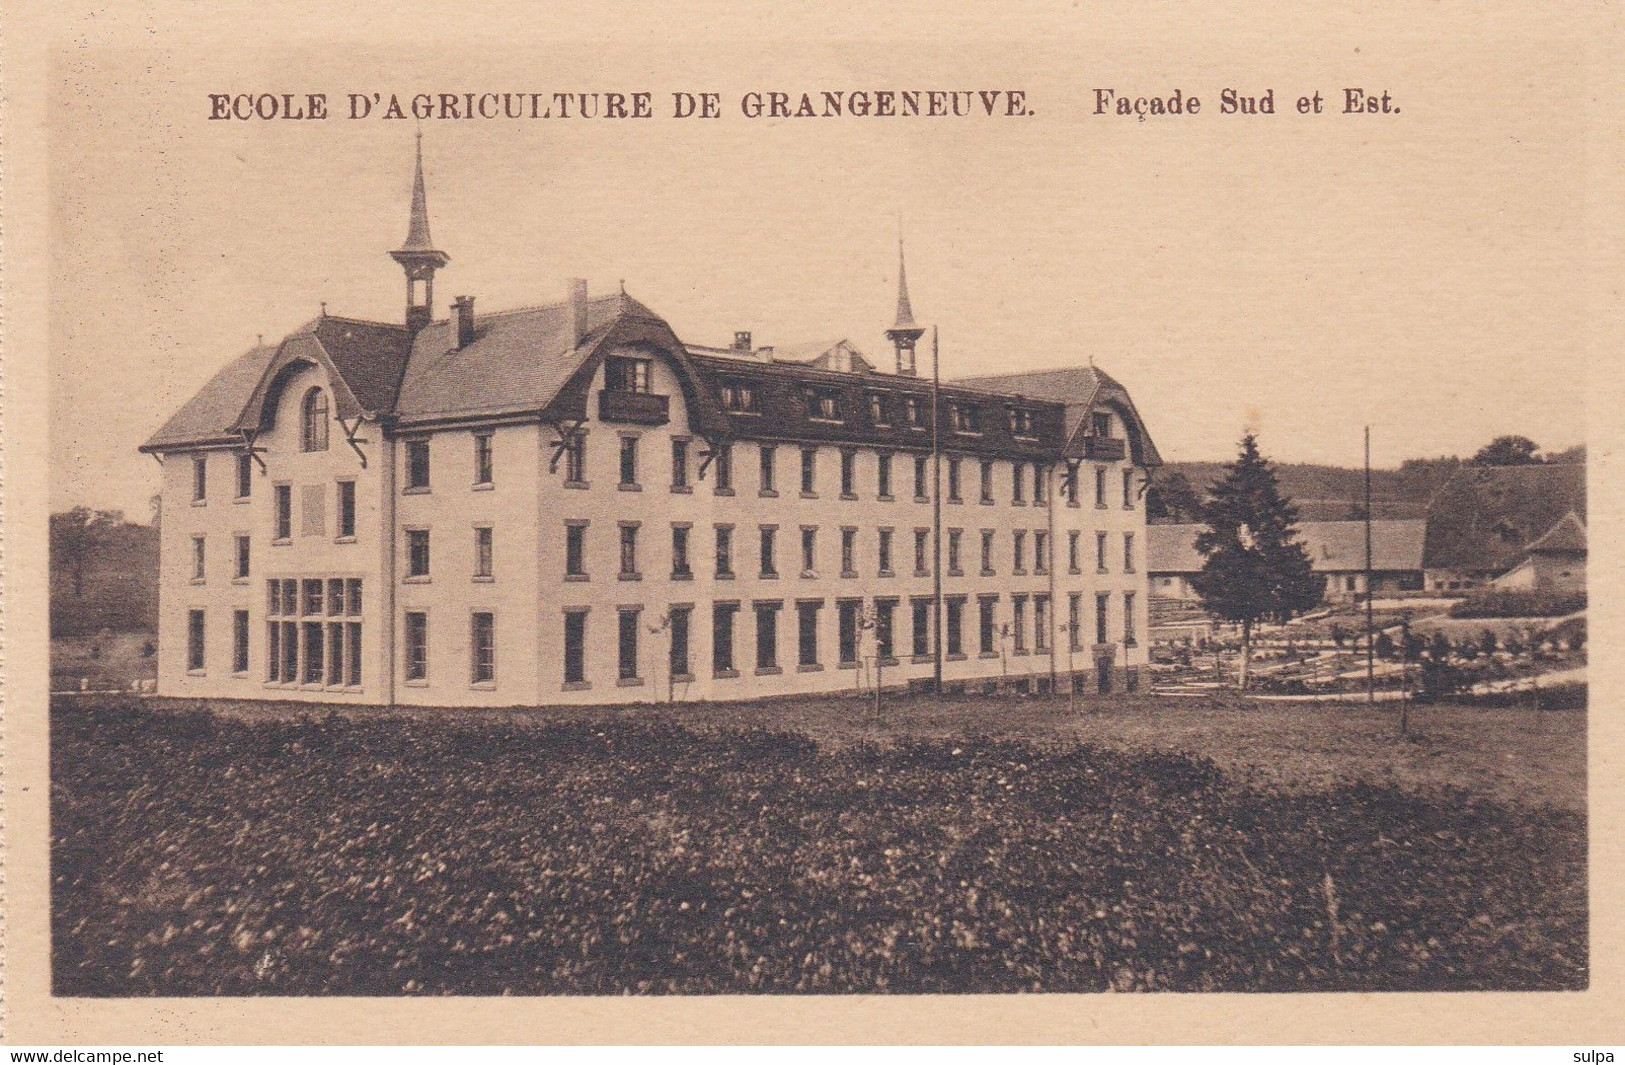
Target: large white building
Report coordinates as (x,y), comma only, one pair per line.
(570,504)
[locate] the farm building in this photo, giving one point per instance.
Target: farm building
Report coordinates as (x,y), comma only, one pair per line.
(1483,522)
(1556,562)
(1336,549)
(569,504)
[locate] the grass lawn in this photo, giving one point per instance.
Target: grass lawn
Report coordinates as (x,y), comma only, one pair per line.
(961,845)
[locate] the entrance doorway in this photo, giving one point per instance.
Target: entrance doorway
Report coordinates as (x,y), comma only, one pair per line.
(1103,676)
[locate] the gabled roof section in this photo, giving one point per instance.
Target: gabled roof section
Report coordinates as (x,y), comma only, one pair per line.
(1333,546)
(1567,537)
(207,417)
(1485,518)
(1081,389)
(364,361)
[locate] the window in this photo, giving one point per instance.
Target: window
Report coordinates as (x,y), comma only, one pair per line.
(1100,552)
(954,536)
(482,646)
(986,627)
(1041,623)
(575,647)
(922,540)
(849,464)
(883,476)
(825,406)
(199,556)
(1018,491)
(1100,423)
(1102,608)
(194,641)
(680,569)
(483,551)
(1128,619)
(679,662)
(629,551)
(629,462)
(352,632)
(1040,551)
(575,549)
(346,510)
(740,398)
(417,465)
(417,552)
(722,638)
(725,551)
(1073,563)
(1039,498)
(883,551)
(335,654)
(311,604)
(1021,421)
(1018,552)
(766,458)
(921,611)
(1070,484)
(622,374)
(877,408)
(955,623)
(679,464)
(807,633)
(239,641)
(922,478)
(987,552)
(335,596)
(809,471)
(200,478)
(911,411)
(626,620)
(313,422)
(245,475)
(767,637)
(1074,620)
(953,481)
(484,467)
(575,460)
(885,616)
(1128,489)
(987,481)
(809,550)
(315,658)
(849,552)
(967,418)
(723,462)
(243,548)
(1128,552)
(1018,622)
(769,539)
(847,631)
(1100,486)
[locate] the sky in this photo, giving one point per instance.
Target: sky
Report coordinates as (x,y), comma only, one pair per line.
(1302,276)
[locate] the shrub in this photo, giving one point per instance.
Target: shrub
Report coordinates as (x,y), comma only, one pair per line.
(1513,604)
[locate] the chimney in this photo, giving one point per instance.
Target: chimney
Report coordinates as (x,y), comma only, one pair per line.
(578,311)
(742,340)
(465,320)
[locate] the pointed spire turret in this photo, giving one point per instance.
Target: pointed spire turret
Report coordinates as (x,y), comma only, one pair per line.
(904,333)
(418,255)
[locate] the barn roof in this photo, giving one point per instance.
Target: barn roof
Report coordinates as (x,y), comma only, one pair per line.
(1485,517)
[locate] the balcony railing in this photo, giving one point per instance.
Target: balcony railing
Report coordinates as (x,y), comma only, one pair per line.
(1104,448)
(639,408)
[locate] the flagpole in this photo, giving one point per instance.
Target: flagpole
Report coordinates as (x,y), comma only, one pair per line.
(936,518)
(1370,614)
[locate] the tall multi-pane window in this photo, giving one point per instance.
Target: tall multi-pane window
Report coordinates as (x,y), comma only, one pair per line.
(680,568)
(885,621)
(1100,486)
(849,475)
(314,653)
(1018,551)
(1040,551)
(243,549)
(922,552)
(807,633)
(627,643)
(809,549)
(1102,609)
(245,475)
(346,510)
(725,550)
(953,480)
(883,544)
(987,552)
(986,628)
(1039,480)
(849,552)
(954,538)
(769,540)
(883,475)
(283,498)
(1018,487)
(417,465)
(200,478)
(622,374)
(955,624)
(575,647)
(313,429)
(1128,619)
(199,558)
(722,637)
(239,641)
(575,459)
(1071,482)
(679,463)
(1073,563)
(809,471)
(1128,489)
(1128,552)
(921,611)
(629,550)
(987,481)
(722,466)
(1100,552)
(767,637)
(482,648)
(417,552)
(846,636)
(194,641)
(679,655)
(1074,620)
(483,551)
(1018,622)
(484,467)
(629,462)
(575,549)
(922,478)
(767,460)
(1041,623)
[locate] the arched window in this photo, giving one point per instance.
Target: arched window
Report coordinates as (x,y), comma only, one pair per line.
(314,422)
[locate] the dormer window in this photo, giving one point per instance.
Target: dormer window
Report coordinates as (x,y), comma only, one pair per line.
(313,421)
(622,374)
(877,408)
(1100,423)
(1021,421)
(967,418)
(825,406)
(740,398)
(911,411)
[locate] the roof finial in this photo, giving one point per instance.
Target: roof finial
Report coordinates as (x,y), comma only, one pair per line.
(324,308)
(623,286)
(417,230)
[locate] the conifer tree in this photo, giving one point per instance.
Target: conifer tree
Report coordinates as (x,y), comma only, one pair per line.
(1255,568)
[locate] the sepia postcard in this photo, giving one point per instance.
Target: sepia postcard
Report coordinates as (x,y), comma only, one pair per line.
(1034,524)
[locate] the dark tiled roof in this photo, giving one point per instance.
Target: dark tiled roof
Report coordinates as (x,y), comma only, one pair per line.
(370,356)
(1567,537)
(1080,388)
(207,417)
(1485,517)
(1333,546)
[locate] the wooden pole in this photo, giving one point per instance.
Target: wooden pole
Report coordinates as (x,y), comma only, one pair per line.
(1370,612)
(936,518)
